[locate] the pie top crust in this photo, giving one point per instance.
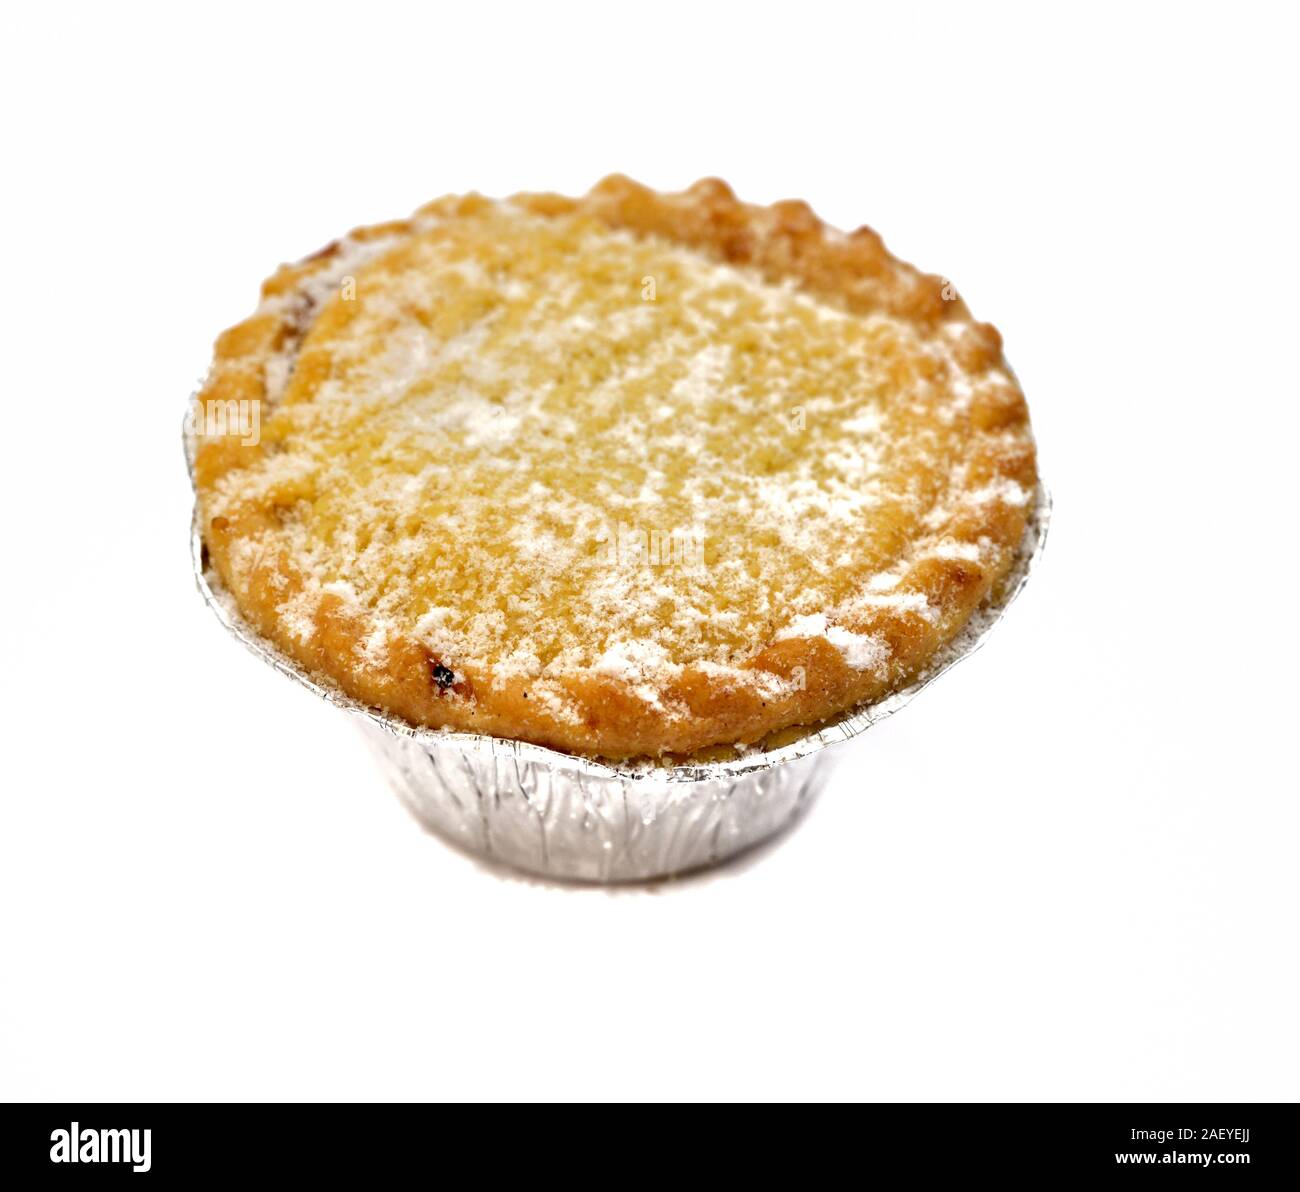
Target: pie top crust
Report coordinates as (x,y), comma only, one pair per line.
(630,474)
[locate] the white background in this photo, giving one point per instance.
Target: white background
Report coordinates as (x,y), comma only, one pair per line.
(1068,871)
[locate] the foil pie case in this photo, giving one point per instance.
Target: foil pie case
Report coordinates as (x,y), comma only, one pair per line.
(567,817)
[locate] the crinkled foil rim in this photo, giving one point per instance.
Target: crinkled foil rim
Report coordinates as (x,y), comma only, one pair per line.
(846,728)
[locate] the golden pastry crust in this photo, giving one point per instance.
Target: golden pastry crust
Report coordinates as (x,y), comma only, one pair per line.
(629,474)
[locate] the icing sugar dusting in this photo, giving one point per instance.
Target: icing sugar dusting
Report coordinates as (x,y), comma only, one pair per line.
(859,651)
(501,449)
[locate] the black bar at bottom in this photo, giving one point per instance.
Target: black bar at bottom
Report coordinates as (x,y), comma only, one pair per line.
(51,1143)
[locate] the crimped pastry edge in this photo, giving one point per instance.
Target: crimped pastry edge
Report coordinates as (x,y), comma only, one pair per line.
(784,241)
